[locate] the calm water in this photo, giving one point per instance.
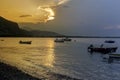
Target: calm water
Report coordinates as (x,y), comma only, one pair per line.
(45,56)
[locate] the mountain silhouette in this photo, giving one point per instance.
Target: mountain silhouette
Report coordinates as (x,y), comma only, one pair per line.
(11,29)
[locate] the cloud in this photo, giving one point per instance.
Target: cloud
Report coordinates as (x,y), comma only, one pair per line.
(25,16)
(112,27)
(109,28)
(118,27)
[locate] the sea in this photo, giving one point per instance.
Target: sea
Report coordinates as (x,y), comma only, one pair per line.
(45,57)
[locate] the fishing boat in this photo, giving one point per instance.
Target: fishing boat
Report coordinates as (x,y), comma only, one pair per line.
(59,40)
(107,47)
(103,50)
(25,42)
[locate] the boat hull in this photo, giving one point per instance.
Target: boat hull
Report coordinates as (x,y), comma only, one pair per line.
(25,42)
(102,50)
(59,40)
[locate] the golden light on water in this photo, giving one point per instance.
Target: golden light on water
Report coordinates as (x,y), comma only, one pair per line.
(50,55)
(29,58)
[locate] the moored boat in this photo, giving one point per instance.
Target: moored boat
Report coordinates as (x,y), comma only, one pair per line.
(103,50)
(59,40)
(108,46)
(109,41)
(67,39)
(112,57)
(2,39)
(25,42)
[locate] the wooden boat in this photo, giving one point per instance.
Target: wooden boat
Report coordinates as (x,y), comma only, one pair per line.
(59,40)
(25,42)
(103,50)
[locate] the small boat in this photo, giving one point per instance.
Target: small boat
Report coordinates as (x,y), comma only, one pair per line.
(25,42)
(109,41)
(67,39)
(2,40)
(59,40)
(113,57)
(104,50)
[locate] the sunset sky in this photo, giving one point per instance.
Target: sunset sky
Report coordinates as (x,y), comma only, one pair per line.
(71,17)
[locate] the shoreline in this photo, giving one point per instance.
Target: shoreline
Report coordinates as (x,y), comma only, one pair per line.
(8,72)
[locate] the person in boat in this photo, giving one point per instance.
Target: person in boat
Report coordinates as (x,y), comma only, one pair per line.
(89,49)
(91,46)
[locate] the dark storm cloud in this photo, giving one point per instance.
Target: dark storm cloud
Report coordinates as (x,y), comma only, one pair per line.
(86,17)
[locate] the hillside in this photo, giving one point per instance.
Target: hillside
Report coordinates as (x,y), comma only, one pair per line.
(11,29)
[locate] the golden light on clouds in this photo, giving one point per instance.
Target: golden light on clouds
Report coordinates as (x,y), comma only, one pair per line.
(61,1)
(29,10)
(50,15)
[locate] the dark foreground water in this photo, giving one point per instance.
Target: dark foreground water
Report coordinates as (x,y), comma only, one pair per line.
(44,57)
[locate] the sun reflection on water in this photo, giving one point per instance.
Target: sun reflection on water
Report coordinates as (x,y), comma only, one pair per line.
(50,56)
(32,59)
(40,52)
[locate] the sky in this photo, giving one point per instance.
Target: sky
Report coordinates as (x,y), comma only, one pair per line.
(70,17)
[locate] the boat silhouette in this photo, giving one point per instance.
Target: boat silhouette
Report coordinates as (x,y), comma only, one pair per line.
(59,40)
(25,42)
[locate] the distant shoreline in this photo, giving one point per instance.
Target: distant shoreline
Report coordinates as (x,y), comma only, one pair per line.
(56,37)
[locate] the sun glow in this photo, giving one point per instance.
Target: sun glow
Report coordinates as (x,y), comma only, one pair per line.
(49,10)
(36,11)
(61,1)
(50,15)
